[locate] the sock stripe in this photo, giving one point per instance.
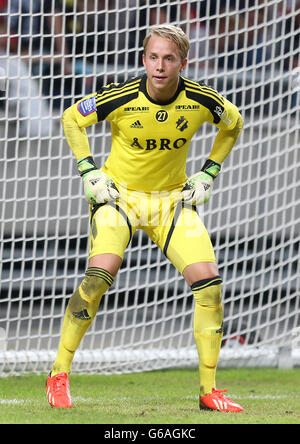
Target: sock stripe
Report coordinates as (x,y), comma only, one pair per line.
(204,283)
(101,273)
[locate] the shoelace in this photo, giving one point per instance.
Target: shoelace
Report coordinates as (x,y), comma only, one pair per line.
(219,393)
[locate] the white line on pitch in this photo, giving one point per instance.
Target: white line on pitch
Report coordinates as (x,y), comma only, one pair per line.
(91,400)
(13,401)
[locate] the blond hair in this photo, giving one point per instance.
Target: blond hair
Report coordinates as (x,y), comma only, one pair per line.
(170,32)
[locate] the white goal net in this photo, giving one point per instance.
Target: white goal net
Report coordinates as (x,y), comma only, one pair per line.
(52,53)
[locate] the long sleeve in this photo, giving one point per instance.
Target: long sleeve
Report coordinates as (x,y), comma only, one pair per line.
(225,141)
(74,128)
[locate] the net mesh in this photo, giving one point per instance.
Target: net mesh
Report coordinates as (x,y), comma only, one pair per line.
(52,53)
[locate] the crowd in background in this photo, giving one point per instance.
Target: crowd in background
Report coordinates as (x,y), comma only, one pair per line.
(63,42)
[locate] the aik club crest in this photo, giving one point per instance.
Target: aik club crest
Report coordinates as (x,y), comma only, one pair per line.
(181,123)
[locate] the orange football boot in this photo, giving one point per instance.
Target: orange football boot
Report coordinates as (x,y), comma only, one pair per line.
(58,390)
(217,401)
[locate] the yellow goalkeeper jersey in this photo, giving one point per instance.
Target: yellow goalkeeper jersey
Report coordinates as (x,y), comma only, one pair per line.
(150,140)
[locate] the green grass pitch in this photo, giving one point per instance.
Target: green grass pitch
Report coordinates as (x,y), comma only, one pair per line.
(269,396)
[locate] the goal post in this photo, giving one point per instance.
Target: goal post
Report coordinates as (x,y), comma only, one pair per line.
(249,51)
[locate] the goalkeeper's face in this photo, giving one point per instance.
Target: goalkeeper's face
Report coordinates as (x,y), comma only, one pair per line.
(163,64)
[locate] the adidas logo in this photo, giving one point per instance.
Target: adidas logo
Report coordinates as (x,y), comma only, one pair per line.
(83,315)
(136,124)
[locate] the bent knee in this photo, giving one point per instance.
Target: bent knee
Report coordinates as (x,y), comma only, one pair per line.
(208,292)
(95,283)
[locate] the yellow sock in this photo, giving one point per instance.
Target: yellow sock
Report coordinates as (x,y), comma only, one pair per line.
(208,318)
(80,312)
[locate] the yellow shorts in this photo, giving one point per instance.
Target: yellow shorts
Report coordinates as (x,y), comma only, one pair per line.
(174,226)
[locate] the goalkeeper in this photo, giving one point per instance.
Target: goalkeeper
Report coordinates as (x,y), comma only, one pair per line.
(143,185)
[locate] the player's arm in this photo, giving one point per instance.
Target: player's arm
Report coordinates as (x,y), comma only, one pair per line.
(198,187)
(225,141)
(98,186)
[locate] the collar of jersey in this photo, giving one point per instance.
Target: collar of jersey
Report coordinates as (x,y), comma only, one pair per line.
(143,88)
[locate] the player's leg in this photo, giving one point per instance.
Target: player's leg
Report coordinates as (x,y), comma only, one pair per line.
(107,261)
(106,254)
(82,308)
(200,270)
(188,246)
(206,285)
(190,249)
(80,313)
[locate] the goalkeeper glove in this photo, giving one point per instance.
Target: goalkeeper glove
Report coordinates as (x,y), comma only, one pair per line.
(98,186)
(198,187)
